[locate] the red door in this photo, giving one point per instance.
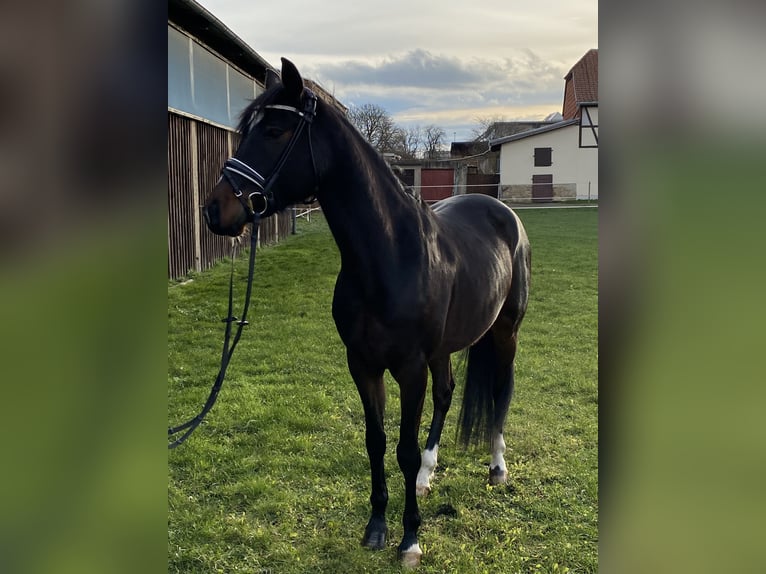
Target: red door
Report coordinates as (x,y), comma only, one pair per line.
(436,184)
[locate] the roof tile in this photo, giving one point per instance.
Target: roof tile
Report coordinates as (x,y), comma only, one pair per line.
(585,77)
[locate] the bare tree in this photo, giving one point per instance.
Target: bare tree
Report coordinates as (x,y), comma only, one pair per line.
(376,125)
(409,142)
(434,138)
(378,128)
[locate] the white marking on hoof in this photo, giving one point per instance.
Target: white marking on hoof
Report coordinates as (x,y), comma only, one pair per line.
(411,556)
(498,474)
(426,472)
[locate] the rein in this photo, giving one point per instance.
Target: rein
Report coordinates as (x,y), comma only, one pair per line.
(240,168)
(228,351)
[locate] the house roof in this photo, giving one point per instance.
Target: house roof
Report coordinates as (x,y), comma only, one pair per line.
(549,128)
(498,130)
(464,149)
(584,75)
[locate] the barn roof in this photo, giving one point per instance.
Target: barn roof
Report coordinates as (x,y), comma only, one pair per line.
(193,18)
(203,25)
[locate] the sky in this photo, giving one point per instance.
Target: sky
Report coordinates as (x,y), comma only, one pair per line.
(425,61)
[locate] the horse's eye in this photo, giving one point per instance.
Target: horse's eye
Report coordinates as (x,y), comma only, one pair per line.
(274,132)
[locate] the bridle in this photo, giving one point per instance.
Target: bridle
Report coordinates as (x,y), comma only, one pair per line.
(234,167)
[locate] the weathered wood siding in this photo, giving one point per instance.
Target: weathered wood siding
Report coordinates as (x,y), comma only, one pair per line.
(196,152)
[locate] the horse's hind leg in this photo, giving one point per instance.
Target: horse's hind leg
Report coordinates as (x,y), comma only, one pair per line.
(501,396)
(505,333)
(442,386)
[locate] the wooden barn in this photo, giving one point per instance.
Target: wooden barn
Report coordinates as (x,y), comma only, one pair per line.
(212,75)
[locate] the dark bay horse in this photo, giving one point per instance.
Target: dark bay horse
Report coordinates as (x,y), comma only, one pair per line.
(416,283)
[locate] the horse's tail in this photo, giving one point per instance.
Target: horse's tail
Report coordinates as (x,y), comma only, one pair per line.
(477,410)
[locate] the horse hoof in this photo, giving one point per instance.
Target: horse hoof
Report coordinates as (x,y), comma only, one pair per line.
(375,541)
(410,558)
(497,476)
(375,536)
(422,490)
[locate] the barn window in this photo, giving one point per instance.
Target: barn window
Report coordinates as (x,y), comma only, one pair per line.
(543,156)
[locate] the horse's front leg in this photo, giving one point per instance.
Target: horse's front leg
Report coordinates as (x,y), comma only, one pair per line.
(412,380)
(369,383)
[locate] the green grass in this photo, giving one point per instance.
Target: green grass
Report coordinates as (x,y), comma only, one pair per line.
(277,479)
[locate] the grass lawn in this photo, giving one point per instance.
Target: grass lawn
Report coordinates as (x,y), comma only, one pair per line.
(277,478)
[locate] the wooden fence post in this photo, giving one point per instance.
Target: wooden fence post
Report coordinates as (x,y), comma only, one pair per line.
(196,211)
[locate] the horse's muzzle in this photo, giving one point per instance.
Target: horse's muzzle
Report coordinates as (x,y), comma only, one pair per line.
(211,213)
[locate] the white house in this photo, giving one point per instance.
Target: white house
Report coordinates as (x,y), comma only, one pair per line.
(558,161)
(548,164)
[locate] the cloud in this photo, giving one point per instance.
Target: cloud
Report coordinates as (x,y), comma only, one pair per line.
(420,87)
(426,60)
(414,69)
(422,70)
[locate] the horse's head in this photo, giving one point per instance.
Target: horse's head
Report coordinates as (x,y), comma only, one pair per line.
(274,165)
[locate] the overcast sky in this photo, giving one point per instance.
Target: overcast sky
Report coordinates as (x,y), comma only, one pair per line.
(425,61)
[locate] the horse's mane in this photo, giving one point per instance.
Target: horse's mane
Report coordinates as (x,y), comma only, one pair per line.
(367,151)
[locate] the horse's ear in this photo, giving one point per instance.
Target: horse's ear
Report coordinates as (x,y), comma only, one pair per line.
(272,78)
(291,79)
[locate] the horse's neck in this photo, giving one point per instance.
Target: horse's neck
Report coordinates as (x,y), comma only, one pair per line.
(375,223)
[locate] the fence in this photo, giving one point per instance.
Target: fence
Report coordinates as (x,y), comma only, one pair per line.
(196,152)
